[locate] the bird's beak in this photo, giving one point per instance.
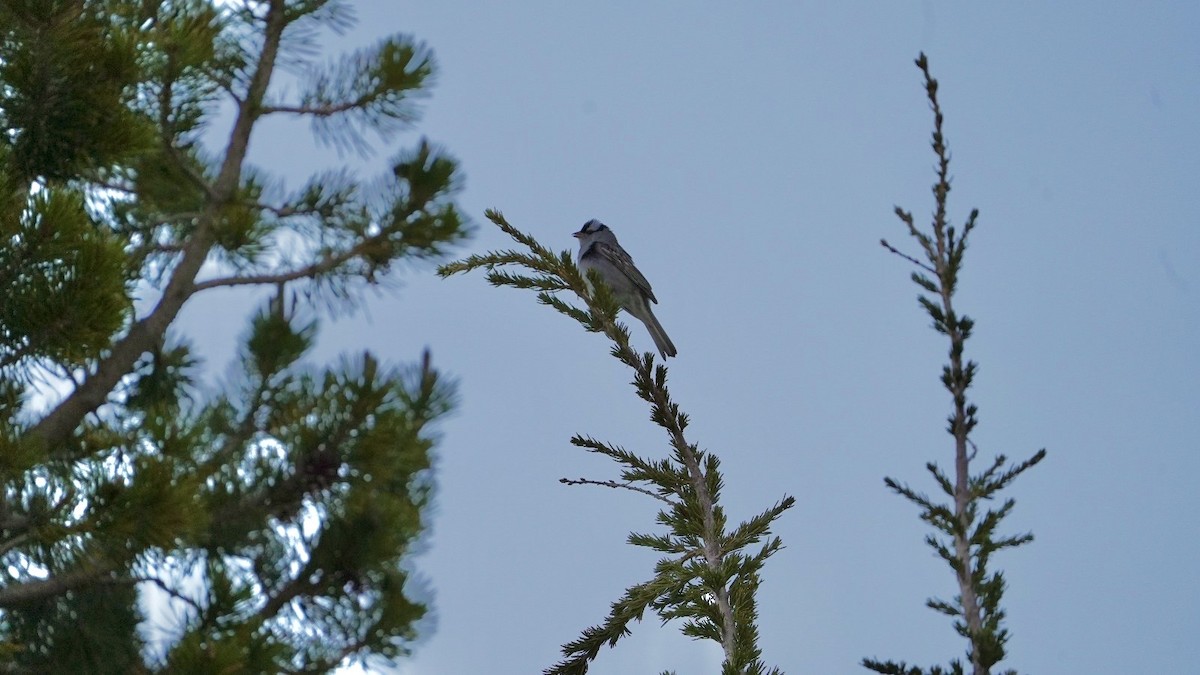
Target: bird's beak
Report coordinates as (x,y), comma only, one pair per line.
(577,235)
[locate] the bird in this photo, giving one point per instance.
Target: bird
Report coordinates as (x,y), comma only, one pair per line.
(599,250)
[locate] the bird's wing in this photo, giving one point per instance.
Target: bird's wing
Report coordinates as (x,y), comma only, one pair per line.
(624,264)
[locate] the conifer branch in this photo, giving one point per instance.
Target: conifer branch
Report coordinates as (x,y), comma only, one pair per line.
(298,586)
(32,591)
(970,536)
(615,484)
(58,425)
(909,258)
(14,542)
(326,264)
(162,586)
(333,663)
(711,584)
(327,110)
(288,504)
(371,88)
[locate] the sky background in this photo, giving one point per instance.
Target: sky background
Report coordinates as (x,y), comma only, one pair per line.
(749,157)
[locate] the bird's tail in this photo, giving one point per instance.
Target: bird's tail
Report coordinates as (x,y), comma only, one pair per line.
(665,346)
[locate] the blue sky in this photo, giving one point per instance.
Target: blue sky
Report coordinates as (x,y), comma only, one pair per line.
(749,156)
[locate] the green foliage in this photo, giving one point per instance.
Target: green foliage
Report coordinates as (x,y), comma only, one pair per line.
(92,630)
(348,442)
(63,280)
(67,74)
(268,522)
(708,579)
(377,86)
(966,538)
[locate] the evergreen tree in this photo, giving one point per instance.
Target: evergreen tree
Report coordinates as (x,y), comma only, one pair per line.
(271,518)
(967,529)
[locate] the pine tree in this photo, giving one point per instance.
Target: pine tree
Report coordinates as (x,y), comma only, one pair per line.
(148,524)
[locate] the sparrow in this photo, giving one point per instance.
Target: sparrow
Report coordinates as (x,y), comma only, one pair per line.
(599,250)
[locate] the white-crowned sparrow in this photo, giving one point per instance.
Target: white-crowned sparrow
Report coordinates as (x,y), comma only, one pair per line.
(599,250)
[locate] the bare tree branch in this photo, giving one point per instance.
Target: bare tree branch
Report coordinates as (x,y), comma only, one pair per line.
(318,111)
(294,588)
(615,484)
(164,587)
(909,258)
(58,584)
(308,271)
(15,542)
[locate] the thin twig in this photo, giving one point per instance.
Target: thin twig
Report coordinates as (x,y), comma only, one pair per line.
(32,591)
(308,271)
(615,484)
(907,257)
(327,110)
(162,585)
